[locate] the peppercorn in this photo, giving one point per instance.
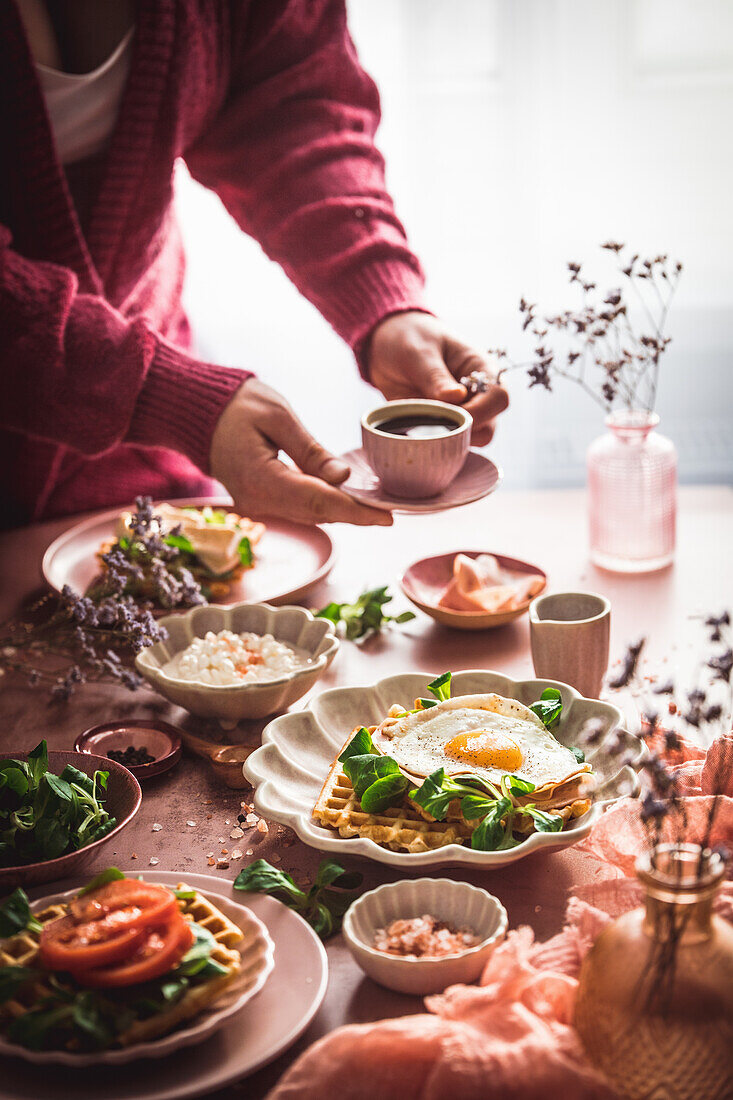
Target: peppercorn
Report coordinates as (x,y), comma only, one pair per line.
(131,756)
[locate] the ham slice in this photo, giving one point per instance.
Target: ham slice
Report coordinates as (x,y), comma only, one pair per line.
(481,584)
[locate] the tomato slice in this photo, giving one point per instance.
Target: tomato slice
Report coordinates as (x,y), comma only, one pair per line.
(162,948)
(106,926)
(154,903)
(66,945)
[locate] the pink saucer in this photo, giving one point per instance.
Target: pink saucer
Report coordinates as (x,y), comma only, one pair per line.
(425,581)
(479,477)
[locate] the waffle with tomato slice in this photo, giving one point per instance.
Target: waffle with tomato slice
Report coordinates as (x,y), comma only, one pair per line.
(24,950)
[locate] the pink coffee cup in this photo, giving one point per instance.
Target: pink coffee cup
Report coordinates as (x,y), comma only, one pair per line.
(412,469)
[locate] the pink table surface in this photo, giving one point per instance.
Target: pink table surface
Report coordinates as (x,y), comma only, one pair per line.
(547,527)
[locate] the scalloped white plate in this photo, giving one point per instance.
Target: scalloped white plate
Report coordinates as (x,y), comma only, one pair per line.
(298,749)
(258,959)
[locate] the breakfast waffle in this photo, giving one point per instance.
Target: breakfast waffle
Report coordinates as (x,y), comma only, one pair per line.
(401,828)
(21,950)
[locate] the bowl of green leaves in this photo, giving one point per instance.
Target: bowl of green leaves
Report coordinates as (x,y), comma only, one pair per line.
(56,811)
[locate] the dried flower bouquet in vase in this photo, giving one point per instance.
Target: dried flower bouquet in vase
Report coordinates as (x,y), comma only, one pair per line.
(611,346)
(655,997)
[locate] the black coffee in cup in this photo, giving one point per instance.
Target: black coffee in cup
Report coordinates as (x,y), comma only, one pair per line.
(417,427)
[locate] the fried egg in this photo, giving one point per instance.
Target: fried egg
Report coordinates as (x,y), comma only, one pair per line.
(486,736)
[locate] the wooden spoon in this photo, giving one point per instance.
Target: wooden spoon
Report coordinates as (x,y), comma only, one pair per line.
(226,760)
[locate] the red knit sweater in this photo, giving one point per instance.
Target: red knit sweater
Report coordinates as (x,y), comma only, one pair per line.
(268,106)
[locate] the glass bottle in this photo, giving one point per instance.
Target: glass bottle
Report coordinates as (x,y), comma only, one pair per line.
(632,494)
(655,997)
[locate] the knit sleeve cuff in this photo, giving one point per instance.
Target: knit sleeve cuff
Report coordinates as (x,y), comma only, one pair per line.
(180,403)
(373,292)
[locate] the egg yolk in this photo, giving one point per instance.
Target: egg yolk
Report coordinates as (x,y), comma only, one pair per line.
(486,749)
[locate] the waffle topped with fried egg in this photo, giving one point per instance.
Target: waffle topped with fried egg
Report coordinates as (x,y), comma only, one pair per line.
(485,744)
(484,737)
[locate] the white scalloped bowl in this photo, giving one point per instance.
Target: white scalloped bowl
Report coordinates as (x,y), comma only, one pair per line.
(297,751)
(457,903)
(293,625)
(258,959)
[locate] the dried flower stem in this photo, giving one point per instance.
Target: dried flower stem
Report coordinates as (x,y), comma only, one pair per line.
(601,336)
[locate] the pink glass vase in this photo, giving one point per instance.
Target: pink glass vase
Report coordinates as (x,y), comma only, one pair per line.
(632,494)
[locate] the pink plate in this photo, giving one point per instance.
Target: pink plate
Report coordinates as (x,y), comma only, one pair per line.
(289,557)
(425,581)
(479,477)
(254,1036)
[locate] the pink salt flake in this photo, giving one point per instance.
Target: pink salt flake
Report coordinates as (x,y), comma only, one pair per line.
(423,936)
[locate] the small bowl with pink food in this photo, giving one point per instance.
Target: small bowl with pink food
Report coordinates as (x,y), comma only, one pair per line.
(248,660)
(421,935)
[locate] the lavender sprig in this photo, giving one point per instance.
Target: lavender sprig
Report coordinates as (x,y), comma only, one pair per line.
(70,639)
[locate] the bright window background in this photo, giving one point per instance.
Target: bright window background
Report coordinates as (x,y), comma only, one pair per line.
(518,136)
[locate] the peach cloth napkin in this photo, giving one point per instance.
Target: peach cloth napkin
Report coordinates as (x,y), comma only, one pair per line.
(511,1036)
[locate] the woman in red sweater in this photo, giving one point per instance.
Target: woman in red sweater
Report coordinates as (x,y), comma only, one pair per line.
(268,106)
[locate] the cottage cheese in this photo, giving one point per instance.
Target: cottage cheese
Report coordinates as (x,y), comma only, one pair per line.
(228,659)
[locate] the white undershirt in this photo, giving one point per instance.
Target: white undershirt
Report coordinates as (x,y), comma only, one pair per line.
(83,107)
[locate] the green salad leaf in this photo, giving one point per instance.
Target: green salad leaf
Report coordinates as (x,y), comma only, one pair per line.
(16,916)
(179,542)
(110,874)
(322,905)
(577,753)
(246,554)
(543,821)
(377,780)
(492,832)
(440,686)
(438,790)
(359,745)
(548,707)
(365,616)
(363,771)
(217,516)
(12,979)
(383,793)
(38,762)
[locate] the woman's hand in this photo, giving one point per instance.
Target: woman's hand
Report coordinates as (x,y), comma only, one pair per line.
(412,355)
(254,426)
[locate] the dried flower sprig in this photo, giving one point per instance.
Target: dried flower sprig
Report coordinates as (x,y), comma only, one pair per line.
(600,349)
(663,808)
(706,709)
(70,639)
(146,563)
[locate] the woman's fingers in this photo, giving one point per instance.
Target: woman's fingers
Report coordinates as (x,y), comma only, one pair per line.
(484,408)
(428,368)
(306,499)
(291,436)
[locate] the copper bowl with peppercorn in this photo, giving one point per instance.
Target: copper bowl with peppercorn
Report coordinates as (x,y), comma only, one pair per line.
(143,746)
